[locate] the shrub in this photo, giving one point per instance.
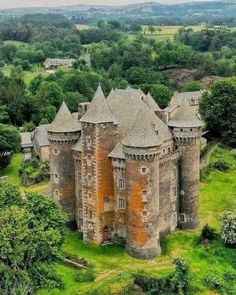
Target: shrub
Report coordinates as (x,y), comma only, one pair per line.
(222,165)
(86,275)
(178,282)
(214,281)
(228,228)
(207,233)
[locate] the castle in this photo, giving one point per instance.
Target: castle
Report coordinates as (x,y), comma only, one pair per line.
(124,168)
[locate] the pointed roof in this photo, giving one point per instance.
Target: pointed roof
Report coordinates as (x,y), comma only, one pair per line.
(143,133)
(99,111)
(186,116)
(150,102)
(64,121)
(117,152)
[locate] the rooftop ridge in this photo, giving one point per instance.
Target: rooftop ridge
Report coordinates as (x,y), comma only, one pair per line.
(99,111)
(143,133)
(64,121)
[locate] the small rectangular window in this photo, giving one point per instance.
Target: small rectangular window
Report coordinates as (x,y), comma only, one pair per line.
(122,203)
(90,214)
(79,176)
(144,170)
(80,194)
(144,196)
(121,183)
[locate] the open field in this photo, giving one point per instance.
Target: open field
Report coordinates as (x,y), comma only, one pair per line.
(167,32)
(28,75)
(114,268)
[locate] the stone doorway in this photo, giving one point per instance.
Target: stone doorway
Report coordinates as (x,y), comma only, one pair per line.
(106,234)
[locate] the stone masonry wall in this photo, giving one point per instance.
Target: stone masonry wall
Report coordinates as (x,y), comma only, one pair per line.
(97,141)
(142,207)
(189,185)
(62,175)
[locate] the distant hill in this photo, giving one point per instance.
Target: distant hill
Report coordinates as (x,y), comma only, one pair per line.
(91,13)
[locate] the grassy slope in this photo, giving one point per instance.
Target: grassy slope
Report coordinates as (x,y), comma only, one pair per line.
(13,176)
(28,75)
(114,268)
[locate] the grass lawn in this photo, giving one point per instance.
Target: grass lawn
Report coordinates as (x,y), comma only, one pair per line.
(12,169)
(13,177)
(167,32)
(28,75)
(114,268)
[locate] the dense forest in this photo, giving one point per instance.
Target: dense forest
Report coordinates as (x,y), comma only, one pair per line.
(120,55)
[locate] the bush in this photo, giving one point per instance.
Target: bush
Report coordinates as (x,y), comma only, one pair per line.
(214,281)
(85,275)
(222,165)
(207,233)
(179,282)
(228,228)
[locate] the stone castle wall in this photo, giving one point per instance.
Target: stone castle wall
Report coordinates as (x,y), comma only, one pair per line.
(142,191)
(98,141)
(62,172)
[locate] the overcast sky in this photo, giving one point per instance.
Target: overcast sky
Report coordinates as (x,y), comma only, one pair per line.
(50,3)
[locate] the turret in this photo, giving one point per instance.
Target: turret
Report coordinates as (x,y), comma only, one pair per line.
(99,137)
(142,149)
(63,133)
(187,129)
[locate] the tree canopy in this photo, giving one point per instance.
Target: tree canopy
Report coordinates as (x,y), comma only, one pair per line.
(218,109)
(32,232)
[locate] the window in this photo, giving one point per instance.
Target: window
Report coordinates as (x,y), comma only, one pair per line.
(121,183)
(90,214)
(55,151)
(80,194)
(144,170)
(79,176)
(89,179)
(174,173)
(122,203)
(56,178)
(90,195)
(80,213)
(144,196)
(174,193)
(182,217)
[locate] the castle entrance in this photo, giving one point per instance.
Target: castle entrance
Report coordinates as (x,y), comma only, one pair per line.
(106,234)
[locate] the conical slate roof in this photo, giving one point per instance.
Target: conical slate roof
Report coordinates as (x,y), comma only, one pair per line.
(186,116)
(142,134)
(150,102)
(99,111)
(117,152)
(64,121)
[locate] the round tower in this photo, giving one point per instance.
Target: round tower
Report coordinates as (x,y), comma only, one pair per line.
(63,133)
(187,129)
(142,149)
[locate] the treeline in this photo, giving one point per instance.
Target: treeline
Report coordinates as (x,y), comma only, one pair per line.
(49,35)
(39,102)
(142,60)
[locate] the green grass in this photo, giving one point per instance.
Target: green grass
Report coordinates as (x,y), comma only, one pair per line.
(114,268)
(28,75)
(16,43)
(12,169)
(167,32)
